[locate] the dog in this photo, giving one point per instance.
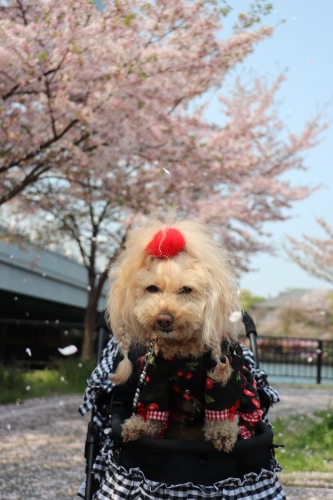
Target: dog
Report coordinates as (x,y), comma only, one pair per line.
(174,287)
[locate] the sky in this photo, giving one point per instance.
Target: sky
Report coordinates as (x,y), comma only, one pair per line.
(302,45)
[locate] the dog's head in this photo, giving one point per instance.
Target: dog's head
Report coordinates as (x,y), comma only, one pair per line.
(175,281)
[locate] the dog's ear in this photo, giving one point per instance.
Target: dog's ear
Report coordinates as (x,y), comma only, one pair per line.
(221,301)
(123,322)
(221,372)
(124,368)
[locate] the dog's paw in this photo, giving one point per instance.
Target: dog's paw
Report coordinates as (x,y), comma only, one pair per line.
(222,433)
(135,427)
(131,430)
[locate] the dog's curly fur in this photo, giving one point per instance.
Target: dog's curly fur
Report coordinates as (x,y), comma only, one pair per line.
(199,317)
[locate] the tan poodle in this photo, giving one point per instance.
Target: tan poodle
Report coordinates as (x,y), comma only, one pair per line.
(173,286)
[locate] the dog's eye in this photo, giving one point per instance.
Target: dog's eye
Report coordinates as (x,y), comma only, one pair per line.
(185,289)
(153,289)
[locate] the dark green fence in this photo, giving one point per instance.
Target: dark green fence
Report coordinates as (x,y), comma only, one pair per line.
(296,358)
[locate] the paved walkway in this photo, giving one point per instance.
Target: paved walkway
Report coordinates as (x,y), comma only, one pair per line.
(298,400)
(42,441)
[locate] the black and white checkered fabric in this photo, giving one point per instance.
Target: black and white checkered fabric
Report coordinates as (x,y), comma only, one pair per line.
(132,485)
(99,380)
(116,483)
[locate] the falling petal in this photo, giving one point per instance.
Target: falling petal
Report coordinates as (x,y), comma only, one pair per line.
(15,298)
(235,316)
(238,293)
(62,379)
(79,365)
(61,403)
(166,171)
(88,288)
(27,388)
(9,427)
(67,351)
(28,351)
(44,274)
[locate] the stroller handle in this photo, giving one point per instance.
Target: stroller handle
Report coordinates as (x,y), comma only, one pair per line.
(251,333)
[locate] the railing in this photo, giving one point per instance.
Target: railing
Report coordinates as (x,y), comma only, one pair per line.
(283,358)
(297,358)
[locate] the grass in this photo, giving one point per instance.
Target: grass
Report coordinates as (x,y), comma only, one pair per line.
(308,441)
(18,384)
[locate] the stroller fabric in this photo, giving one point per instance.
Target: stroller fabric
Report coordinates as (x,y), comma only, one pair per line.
(115,482)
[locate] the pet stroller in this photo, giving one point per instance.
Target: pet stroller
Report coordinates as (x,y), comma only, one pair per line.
(154,469)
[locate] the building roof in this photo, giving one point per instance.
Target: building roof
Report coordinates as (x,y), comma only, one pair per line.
(44,275)
(282,298)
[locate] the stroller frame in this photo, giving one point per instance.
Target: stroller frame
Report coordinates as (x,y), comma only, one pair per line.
(243,454)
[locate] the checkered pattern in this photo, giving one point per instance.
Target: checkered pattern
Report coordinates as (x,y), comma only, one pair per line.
(157,415)
(218,415)
(245,433)
(255,416)
(132,485)
(116,483)
(99,382)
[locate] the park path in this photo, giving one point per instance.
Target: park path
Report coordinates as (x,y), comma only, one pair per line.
(42,441)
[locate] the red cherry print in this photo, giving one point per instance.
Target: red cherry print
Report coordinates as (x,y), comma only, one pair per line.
(176,388)
(152,406)
(209,383)
(256,402)
(186,396)
(140,405)
(180,373)
(248,393)
(147,380)
(188,376)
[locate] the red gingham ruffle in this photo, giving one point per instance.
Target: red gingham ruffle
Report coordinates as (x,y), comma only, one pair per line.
(157,415)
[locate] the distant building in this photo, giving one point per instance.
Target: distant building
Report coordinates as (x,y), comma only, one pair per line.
(43,296)
(264,310)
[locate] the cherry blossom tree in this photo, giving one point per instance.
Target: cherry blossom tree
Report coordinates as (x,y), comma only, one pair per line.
(101,126)
(72,78)
(219,175)
(309,316)
(315,255)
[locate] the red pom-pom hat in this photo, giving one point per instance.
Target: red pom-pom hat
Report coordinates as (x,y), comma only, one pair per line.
(166,243)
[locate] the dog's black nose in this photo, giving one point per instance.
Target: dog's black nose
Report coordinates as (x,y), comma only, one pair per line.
(164,320)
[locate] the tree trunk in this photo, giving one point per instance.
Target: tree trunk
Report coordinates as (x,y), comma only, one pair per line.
(90,317)
(88,334)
